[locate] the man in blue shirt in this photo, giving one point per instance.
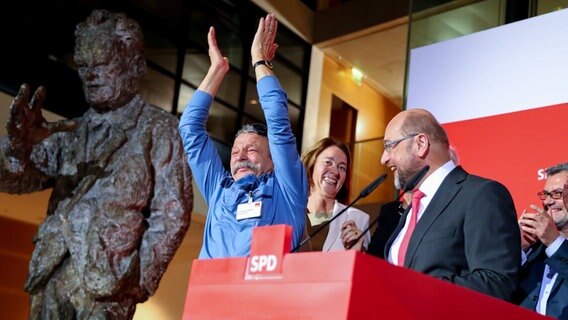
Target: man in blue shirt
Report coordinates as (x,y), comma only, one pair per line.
(544,274)
(267,184)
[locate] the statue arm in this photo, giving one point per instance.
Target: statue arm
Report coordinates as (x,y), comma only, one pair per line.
(171,206)
(23,158)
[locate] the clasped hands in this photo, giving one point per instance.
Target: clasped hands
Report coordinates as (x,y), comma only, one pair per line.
(349,235)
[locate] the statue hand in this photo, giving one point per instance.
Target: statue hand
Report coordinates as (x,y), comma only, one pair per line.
(26,125)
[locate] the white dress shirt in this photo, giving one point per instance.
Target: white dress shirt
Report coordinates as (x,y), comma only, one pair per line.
(429,188)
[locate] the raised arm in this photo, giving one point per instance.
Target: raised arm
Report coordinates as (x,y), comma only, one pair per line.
(263,47)
(201,153)
(26,128)
(288,169)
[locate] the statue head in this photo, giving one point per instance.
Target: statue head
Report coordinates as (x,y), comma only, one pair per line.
(109,55)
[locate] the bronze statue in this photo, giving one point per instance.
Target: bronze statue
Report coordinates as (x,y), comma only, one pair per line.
(122,195)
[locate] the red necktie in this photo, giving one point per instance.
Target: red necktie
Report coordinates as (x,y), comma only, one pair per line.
(416,196)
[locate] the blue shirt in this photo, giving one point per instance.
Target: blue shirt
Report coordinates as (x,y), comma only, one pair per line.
(283,192)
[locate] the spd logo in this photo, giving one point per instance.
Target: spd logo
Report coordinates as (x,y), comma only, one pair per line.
(263,263)
(268,247)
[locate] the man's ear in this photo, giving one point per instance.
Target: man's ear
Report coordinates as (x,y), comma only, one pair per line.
(268,148)
(423,143)
(566,194)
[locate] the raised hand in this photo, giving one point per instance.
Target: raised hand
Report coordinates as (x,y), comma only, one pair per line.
(26,125)
(263,46)
(219,66)
(218,61)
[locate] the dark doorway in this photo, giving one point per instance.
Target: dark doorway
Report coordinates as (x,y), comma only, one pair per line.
(343,121)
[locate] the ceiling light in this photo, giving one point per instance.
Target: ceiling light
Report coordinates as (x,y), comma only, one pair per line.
(357,75)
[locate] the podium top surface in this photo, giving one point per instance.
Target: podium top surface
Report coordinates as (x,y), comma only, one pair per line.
(349,282)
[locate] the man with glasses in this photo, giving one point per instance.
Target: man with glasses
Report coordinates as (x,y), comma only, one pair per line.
(463,228)
(390,213)
(544,273)
(267,183)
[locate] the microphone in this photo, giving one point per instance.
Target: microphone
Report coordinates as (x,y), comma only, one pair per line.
(371,187)
(365,192)
(410,185)
(415,179)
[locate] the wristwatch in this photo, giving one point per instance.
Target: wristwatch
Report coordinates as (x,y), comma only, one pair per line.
(262,62)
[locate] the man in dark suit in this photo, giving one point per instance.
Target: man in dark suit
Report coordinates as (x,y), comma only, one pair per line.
(466,228)
(544,274)
(389,216)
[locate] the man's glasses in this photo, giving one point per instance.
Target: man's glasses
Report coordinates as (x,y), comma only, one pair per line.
(553,194)
(258,128)
(391,144)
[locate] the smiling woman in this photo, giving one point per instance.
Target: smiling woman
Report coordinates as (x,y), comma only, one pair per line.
(328,165)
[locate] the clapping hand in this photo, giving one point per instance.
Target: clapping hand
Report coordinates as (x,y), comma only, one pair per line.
(263,46)
(537,225)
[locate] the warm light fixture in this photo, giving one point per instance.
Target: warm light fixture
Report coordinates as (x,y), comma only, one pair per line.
(357,75)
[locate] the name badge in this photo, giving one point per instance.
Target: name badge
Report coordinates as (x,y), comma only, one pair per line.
(249,210)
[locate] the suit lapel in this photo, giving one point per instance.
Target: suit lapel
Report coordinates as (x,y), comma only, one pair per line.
(538,253)
(449,188)
(557,286)
(396,231)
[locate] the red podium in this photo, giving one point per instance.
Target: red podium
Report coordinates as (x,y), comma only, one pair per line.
(336,285)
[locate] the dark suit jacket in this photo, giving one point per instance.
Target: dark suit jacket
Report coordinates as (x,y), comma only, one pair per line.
(468,235)
(389,217)
(527,295)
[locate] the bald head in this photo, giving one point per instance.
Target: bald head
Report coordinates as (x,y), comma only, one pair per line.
(421,120)
(413,139)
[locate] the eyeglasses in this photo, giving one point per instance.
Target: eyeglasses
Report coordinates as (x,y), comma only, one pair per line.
(391,144)
(553,194)
(258,128)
